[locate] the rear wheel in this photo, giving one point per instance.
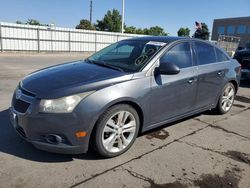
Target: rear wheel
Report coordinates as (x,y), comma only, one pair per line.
(226,100)
(116,130)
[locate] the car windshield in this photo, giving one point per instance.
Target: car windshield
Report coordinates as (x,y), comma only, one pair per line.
(127,55)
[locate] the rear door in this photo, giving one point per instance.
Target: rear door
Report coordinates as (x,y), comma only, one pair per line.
(174,95)
(211,73)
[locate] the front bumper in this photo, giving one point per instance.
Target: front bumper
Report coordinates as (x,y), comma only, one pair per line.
(35,127)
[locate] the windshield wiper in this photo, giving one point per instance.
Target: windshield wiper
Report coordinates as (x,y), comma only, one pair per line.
(104,64)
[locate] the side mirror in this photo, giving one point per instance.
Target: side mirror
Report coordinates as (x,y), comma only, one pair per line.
(167,68)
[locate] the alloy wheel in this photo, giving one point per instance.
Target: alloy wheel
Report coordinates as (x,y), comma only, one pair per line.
(119,131)
(227,98)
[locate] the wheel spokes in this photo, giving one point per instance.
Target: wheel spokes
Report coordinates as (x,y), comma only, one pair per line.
(231,93)
(119,131)
(130,127)
(109,129)
(124,140)
(227,98)
(120,144)
(112,123)
(109,142)
(224,105)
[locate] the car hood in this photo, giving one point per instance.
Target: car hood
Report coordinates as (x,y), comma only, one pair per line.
(71,78)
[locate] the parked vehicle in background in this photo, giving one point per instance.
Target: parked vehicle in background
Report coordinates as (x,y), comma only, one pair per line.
(129,87)
(243,57)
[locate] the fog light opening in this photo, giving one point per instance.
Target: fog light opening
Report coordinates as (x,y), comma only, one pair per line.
(53,139)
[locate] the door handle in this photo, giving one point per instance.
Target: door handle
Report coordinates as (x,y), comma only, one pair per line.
(191,80)
(220,73)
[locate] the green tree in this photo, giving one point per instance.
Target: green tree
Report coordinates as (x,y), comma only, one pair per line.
(156,31)
(205,31)
(205,27)
(139,31)
(85,24)
(183,32)
(19,22)
(130,29)
(33,22)
(111,22)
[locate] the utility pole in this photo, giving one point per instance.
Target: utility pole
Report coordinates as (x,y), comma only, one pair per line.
(123,13)
(90,11)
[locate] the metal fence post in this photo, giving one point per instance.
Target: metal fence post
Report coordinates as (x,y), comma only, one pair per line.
(69,42)
(95,42)
(51,40)
(38,40)
(1,38)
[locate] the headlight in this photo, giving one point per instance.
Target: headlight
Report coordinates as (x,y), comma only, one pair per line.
(62,105)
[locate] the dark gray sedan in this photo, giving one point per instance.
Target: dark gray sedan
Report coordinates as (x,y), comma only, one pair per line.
(129,87)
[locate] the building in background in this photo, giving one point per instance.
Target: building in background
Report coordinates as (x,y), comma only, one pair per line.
(237,27)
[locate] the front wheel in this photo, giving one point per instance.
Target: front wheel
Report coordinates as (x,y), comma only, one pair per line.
(226,99)
(116,130)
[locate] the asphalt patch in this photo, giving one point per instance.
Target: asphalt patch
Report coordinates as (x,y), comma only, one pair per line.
(228,180)
(238,156)
(239,105)
(160,134)
(175,184)
(242,99)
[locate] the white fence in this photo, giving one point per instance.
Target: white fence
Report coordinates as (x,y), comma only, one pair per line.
(17,37)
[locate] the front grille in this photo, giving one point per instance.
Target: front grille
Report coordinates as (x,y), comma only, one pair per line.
(21,131)
(25,92)
(20,106)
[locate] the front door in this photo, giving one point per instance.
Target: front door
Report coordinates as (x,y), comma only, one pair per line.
(174,95)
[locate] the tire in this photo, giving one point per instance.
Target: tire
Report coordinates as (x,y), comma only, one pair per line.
(116,130)
(221,107)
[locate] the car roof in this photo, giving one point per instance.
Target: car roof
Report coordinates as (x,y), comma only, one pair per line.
(165,39)
(168,39)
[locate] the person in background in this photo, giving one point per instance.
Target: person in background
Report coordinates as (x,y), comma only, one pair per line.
(201,32)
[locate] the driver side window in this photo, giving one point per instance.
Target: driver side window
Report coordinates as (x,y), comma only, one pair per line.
(179,55)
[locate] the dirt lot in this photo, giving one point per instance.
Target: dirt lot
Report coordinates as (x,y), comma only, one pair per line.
(202,151)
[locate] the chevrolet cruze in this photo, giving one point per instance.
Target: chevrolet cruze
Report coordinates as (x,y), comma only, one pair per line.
(127,88)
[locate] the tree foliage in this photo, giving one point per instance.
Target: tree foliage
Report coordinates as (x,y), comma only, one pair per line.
(130,29)
(31,22)
(183,32)
(111,22)
(156,31)
(85,24)
(205,27)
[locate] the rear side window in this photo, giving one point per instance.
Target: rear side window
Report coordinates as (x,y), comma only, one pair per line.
(205,53)
(221,56)
(180,55)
